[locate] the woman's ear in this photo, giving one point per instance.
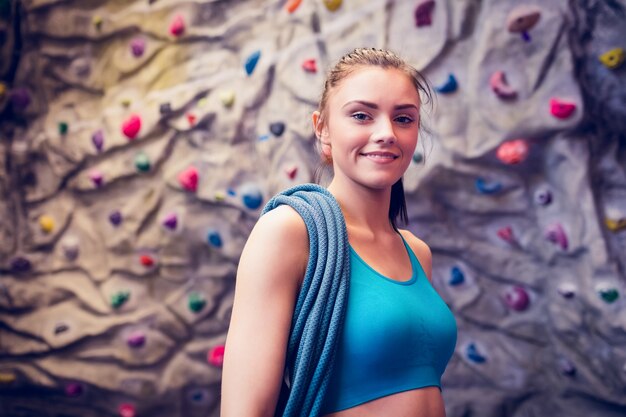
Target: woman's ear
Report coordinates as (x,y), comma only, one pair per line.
(322,135)
(317,125)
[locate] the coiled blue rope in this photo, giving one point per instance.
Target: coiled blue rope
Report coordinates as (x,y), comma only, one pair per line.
(320,309)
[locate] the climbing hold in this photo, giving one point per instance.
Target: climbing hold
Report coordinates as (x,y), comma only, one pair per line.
(506,234)
(556,234)
(188,179)
(142,162)
(543,196)
(309,65)
(614,58)
(567,290)
(567,367)
(227,98)
(418,157)
(561,109)
(60,328)
(127,410)
(137,47)
(517,298)
(608,294)
(424,13)
(291,171)
(513,152)
(277,128)
(170,221)
(63,128)
(136,339)
(449,86)
(126,102)
(3,89)
(191,118)
(119,298)
(216,356)
(202,102)
(19,264)
(292,5)
(456,276)
(214,238)
(96,177)
(220,196)
(73,389)
(522,19)
(484,187)
(165,108)
(231,192)
(7,377)
(46,223)
(251,62)
(263,138)
(115,218)
(251,196)
(70,247)
(177,26)
(97,21)
(196,302)
(332,5)
(98,140)
(20,99)
(471,351)
(500,86)
(147,260)
(131,126)
(615,225)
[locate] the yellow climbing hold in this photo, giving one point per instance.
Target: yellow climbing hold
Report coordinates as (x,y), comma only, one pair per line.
(613,58)
(615,225)
(228,98)
(126,102)
(46,223)
(220,196)
(3,89)
(6,377)
(332,5)
(202,102)
(97,21)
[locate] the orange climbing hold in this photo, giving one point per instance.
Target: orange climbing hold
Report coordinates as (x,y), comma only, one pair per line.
(292,5)
(513,151)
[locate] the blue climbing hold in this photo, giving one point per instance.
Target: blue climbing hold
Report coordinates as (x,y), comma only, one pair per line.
(251,196)
(456,276)
(471,351)
(231,192)
(214,238)
(485,187)
(449,86)
(251,61)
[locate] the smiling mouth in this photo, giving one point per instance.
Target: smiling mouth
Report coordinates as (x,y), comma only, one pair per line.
(380,155)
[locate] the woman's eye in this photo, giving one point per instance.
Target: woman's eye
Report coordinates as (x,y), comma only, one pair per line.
(360,116)
(404,119)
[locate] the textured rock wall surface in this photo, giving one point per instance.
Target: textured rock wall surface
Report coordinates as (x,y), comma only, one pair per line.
(139,140)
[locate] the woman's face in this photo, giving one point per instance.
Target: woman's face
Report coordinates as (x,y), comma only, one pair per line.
(371,126)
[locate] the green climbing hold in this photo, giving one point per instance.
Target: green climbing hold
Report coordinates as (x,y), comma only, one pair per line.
(142,162)
(119,298)
(63,128)
(196,302)
(609,295)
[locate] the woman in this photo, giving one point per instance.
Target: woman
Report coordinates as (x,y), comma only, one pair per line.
(398,335)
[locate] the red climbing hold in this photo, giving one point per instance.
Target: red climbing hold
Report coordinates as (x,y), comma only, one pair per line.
(131,126)
(310,65)
(177,27)
(146,260)
(188,179)
(561,109)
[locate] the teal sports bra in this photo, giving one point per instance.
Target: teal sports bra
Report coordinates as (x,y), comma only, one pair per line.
(397,336)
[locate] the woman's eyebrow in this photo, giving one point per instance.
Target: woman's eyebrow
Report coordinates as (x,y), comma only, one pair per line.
(375,106)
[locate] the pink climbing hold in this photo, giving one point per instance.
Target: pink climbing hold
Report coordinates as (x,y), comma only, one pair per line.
(291,171)
(499,85)
(309,65)
(424,13)
(127,410)
(216,356)
(131,126)
(561,109)
(96,177)
(556,234)
(513,152)
(136,339)
(137,47)
(506,234)
(517,298)
(177,27)
(188,179)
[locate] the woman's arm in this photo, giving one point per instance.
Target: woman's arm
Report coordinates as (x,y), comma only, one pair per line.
(270,272)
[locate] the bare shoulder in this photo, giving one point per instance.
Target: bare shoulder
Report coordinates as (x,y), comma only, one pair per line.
(421,250)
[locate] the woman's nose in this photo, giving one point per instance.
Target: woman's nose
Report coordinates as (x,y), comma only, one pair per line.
(384,132)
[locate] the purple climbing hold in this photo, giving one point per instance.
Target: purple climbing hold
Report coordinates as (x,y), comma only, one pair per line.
(60,328)
(20,99)
(73,389)
(567,290)
(97,178)
(170,221)
(517,298)
(19,264)
(543,196)
(567,367)
(424,13)
(136,339)
(277,128)
(137,47)
(556,234)
(115,218)
(98,139)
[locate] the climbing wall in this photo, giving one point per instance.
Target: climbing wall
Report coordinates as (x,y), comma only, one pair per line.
(140,139)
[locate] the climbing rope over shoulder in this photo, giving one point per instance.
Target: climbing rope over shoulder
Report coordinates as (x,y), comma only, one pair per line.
(320,309)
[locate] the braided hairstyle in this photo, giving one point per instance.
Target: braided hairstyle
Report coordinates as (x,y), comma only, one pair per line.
(363,57)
